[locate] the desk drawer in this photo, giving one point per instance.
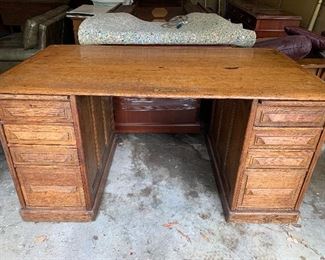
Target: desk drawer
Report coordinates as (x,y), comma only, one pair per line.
(39,134)
(155,104)
(51,187)
(290,116)
(285,138)
(35,111)
(272,188)
(272,159)
(44,155)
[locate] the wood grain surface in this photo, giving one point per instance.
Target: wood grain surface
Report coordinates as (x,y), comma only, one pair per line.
(163,71)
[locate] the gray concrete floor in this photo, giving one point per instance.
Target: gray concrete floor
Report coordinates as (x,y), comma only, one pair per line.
(161,203)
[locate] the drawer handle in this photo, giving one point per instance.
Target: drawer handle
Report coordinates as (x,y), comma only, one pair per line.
(269,192)
(42,158)
(61,189)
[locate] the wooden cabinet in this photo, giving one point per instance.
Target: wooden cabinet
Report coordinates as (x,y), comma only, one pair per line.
(59,172)
(264,20)
(282,143)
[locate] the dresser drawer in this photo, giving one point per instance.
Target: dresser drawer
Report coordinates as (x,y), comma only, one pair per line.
(51,187)
(285,138)
(290,116)
(276,188)
(35,111)
(39,134)
(272,159)
(44,155)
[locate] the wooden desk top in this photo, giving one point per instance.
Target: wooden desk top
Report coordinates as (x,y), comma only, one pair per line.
(162,71)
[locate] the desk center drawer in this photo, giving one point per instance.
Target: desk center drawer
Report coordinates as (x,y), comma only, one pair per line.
(39,134)
(35,111)
(44,155)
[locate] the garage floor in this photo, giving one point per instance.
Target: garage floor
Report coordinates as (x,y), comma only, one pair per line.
(161,203)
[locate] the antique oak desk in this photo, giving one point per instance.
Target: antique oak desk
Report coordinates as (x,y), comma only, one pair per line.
(57,128)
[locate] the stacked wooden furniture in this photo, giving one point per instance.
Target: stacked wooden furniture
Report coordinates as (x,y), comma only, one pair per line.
(266,21)
(265,135)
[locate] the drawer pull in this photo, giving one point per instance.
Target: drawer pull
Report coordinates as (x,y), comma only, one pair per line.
(269,192)
(60,189)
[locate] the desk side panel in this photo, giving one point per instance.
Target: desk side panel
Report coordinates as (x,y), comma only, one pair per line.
(226,139)
(96,126)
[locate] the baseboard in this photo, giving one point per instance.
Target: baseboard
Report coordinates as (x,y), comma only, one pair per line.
(51,215)
(289,217)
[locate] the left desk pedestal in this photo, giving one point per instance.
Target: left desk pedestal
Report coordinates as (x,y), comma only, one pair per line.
(58,171)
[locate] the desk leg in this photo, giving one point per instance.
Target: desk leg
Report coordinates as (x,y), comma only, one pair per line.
(263,155)
(59,150)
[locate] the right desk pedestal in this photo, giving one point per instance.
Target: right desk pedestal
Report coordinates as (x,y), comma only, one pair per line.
(263,154)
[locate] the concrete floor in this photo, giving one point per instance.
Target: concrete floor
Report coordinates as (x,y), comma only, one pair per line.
(161,203)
